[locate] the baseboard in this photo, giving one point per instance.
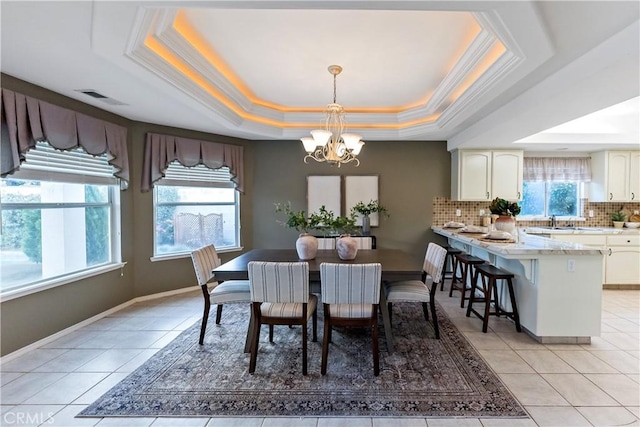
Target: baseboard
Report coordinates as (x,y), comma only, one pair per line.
(57,335)
(635,287)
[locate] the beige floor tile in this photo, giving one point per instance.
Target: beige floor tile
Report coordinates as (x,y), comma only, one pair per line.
(510,422)
(608,416)
(545,361)
(235,422)
(67,389)
(620,360)
(488,341)
(467,324)
(109,360)
(31,360)
(453,422)
(505,361)
(634,353)
(634,377)
(578,390)
(622,325)
(598,343)
(166,339)
(180,422)
(67,418)
(134,363)
(399,422)
(72,339)
(126,422)
(7,377)
(532,389)
(27,385)
(620,387)
(621,340)
(557,416)
(585,362)
(520,341)
(69,361)
(99,389)
(635,410)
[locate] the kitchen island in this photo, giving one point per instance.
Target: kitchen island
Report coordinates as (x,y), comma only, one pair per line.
(558,285)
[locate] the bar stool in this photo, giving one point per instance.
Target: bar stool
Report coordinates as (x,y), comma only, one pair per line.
(449,260)
(467,263)
(488,275)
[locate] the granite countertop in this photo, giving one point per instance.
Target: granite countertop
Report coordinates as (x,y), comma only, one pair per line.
(582,230)
(527,245)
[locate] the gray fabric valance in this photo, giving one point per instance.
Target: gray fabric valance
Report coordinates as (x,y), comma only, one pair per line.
(26,120)
(557,169)
(161,150)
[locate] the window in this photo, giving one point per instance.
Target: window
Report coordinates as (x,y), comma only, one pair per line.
(195,207)
(58,218)
(546,198)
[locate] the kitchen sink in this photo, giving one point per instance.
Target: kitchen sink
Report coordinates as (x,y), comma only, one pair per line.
(546,227)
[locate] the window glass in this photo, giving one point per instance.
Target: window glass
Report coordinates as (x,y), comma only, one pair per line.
(187,218)
(550,198)
(52,229)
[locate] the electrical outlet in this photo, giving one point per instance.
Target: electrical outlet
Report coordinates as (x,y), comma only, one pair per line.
(571,265)
(481,212)
(590,214)
(458,212)
(636,212)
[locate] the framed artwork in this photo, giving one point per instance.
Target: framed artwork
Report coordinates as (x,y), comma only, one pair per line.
(360,188)
(323,190)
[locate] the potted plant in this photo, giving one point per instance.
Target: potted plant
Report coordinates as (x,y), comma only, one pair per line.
(618,219)
(306,244)
(506,212)
(366,210)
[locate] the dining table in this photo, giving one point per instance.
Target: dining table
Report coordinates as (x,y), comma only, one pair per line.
(396,265)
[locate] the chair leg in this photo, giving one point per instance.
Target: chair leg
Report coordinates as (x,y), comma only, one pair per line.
(205,314)
(453,276)
(304,347)
(487,288)
(218,314)
(514,307)
(463,291)
(389,310)
(425,311)
(315,326)
(472,296)
(435,318)
(375,349)
(325,340)
(270,333)
(255,312)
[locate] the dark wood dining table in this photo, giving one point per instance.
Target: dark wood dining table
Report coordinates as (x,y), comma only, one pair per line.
(396,265)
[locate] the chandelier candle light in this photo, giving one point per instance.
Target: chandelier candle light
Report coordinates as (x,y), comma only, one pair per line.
(331,145)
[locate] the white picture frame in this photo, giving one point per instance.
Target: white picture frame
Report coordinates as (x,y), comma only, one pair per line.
(361,188)
(324,190)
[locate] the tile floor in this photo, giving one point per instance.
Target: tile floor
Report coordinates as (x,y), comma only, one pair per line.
(559,385)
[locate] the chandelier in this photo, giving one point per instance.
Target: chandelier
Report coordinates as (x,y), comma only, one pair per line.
(331,144)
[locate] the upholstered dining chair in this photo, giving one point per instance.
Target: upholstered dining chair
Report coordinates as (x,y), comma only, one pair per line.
(205,259)
(350,298)
(280,296)
(421,290)
(326,243)
(364,242)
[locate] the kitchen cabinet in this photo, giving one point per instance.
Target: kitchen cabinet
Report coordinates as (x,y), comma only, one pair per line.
(615,176)
(622,260)
(482,175)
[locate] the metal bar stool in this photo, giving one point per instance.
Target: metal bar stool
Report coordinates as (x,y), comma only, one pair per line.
(488,288)
(449,261)
(467,263)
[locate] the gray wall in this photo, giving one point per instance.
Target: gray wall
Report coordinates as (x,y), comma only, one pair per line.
(411,174)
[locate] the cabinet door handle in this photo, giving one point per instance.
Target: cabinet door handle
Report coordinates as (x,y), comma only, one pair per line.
(609,251)
(518,195)
(633,196)
(487,195)
(610,196)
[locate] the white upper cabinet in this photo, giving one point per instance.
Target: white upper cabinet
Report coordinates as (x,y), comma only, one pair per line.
(615,176)
(483,175)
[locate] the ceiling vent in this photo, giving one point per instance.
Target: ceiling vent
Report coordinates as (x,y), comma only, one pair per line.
(92,93)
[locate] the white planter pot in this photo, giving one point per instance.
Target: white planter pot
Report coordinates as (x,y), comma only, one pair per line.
(307,246)
(347,247)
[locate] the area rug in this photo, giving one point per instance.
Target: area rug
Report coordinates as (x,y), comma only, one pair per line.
(423,377)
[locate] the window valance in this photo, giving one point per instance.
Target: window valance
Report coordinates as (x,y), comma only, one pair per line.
(161,150)
(557,169)
(26,120)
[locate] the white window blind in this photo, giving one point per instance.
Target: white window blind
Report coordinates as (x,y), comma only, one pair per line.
(197,176)
(557,169)
(45,163)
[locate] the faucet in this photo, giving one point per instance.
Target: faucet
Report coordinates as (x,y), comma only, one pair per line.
(554,222)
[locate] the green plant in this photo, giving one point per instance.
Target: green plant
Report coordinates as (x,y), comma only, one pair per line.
(372,207)
(500,206)
(618,216)
(298,220)
(344,224)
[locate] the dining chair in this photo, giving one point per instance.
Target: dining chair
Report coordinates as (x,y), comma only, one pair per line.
(350,298)
(326,243)
(205,259)
(421,290)
(280,296)
(364,243)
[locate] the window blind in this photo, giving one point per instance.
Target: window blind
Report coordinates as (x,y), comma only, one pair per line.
(197,176)
(45,163)
(557,169)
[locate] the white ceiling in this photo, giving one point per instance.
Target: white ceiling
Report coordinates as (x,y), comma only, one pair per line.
(477,74)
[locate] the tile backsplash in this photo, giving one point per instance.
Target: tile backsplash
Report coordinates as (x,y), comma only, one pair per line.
(444,210)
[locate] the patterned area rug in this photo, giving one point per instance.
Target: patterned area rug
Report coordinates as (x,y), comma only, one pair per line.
(424,377)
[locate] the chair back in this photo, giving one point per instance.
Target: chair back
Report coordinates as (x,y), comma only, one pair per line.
(434,261)
(364,242)
(204,260)
(279,282)
(326,242)
(350,283)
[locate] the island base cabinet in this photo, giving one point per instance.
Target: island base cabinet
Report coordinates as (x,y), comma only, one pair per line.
(623,266)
